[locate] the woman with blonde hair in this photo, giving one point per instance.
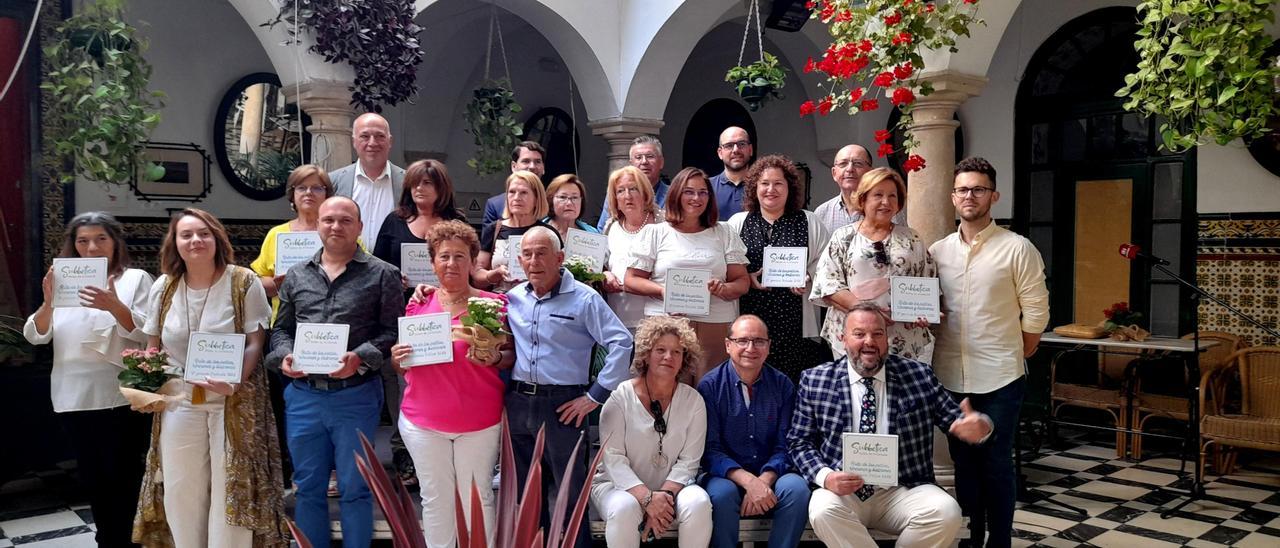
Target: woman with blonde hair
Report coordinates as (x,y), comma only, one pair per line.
(654,428)
(526,206)
(631,207)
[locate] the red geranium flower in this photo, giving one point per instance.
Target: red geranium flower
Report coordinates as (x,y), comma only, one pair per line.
(866,46)
(913,163)
(844,16)
(903,96)
(807,108)
(893,19)
(883,135)
(902,38)
(928,8)
(884,150)
(808,66)
(824,106)
(855,94)
(869,105)
(810,5)
(884,79)
(971,1)
(901,72)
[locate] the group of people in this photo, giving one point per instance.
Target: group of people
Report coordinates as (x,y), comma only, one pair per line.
(704,419)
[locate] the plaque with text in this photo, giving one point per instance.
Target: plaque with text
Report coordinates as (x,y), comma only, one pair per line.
(217,356)
(911,298)
(785,267)
(415,264)
(429,335)
(872,456)
(686,292)
(318,347)
(72,275)
(295,247)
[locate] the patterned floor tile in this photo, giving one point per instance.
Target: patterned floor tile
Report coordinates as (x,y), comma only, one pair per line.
(1257,540)
(1176,525)
(1153,534)
(82,540)
(1144,476)
(1114,490)
(1105,453)
(1123,539)
(18,528)
(1237,492)
(1223,534)
(1062,462)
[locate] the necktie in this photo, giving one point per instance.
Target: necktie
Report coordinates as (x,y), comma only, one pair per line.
(867,425)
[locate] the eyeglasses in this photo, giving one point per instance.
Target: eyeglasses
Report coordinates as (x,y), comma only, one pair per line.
(976,191)
(644,157)
(623,191)
(691,193)
(567,199)
(852,163)
(882,258)
(735,144)
(310,190)
(744,342)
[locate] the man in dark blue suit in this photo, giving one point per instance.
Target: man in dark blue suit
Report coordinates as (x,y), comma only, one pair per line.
(870,391)
(527,156)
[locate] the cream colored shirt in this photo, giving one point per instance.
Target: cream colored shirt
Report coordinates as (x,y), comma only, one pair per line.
(993,290)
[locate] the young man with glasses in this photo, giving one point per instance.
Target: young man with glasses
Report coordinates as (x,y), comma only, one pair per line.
(996,306)
(749,405)
(851,163)
(735,152)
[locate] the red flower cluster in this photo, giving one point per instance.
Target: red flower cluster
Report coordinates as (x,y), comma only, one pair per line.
(824,106)
(883,135)
(913,162)
(844,16)
(855,94)
(842,62)
(903,71)
(807,108)
(884,79)
(902,38)
(869,105)
(903,96)
(1118,308)
(893,18)
(884,150)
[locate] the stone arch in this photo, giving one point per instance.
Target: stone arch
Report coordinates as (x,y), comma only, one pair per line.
(977,50)
(293,66)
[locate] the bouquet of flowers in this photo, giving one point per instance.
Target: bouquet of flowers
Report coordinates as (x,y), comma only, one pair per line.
(583,269)
(145,381)
(482,328)
(1122,323)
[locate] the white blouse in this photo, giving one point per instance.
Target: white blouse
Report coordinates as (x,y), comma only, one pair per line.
(86,348)
(660,247)
(631,443)
(628,307)
(208,310)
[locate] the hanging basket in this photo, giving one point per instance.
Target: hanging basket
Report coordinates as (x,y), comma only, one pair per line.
(491,113)
(760,81)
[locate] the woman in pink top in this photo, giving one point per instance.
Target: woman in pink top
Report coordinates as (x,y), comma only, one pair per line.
(451,415)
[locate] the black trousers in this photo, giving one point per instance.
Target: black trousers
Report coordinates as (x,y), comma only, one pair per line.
(111,450)
(525,415)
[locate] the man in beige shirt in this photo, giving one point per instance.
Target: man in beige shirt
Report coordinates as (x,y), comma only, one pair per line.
(996,306)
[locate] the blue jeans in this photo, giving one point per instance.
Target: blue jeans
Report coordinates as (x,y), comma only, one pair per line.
(985,484)
(525,415)
(789,516)
(323,429)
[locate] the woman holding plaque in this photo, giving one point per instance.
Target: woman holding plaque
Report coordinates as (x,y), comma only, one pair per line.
(451,416)
(631,208)
(566,196)
(526,206)
(860,259)
(109,440)
(654,429)
(773,216)
(213,471)
(693,239)
(307,187)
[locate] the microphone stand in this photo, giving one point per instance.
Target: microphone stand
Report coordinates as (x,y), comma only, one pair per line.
(1197,491)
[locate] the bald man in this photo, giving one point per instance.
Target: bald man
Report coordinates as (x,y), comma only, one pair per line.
(325,413)
(851,163)
(735,151)
(372,181)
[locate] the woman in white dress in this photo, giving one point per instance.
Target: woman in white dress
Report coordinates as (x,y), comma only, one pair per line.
(109,440)
(216,448)
(654,429)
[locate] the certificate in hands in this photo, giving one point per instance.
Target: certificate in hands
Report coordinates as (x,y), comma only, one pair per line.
(415,264)
(580,243)
(217,356)
(318,347)
(686,292)
(911,298)
(72,275)
(785,266)
(293,248)
(514,270)
(872,456)
(429,335)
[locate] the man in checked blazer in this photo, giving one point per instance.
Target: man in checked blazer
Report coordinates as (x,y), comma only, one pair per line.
(871,391)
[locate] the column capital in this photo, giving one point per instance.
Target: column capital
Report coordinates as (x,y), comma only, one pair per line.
(952,83)
(634,127)
(328,103)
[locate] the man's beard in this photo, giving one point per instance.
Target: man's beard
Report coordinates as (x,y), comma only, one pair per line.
(861,368)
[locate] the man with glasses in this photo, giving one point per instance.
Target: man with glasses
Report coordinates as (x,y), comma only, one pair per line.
(735,153)
(645,155)
(749,405)
(851,163)
(372,181)
(526,156)
(996,306)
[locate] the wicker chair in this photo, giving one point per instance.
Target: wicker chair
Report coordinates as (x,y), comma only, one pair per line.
(1107,393)
(1148,405)
(1257,425)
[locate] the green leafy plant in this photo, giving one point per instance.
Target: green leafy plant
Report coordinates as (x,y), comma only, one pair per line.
(583,269)
(1119,316)
(101,112)
(758,82)
(145,370)
(1201,66)
(882,40)
(13,345)
(490,119)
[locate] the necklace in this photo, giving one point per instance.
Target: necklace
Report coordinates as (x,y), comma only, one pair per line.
(464,297)
(623,223)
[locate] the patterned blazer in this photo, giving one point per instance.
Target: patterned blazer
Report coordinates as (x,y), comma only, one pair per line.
(824,410)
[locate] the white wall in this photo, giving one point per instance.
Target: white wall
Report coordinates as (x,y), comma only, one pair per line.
(198,49)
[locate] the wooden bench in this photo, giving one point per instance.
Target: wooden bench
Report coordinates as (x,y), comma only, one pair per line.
(751,531)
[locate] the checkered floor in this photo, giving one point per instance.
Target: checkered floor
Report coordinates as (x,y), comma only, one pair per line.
(1121,498)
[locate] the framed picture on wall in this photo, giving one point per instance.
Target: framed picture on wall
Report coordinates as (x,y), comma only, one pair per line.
(186,173)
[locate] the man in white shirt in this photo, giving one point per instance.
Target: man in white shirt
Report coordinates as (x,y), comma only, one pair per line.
(996,306)
(372,181)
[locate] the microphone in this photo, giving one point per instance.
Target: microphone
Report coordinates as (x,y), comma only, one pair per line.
(1131,252)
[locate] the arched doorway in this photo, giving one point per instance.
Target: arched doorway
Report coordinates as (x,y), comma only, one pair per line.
(703,134)
(552,128)
(1090,176)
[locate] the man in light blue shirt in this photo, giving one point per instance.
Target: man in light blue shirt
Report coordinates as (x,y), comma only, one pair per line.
(557,321)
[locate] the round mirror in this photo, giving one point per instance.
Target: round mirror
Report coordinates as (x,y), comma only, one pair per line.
(258,137)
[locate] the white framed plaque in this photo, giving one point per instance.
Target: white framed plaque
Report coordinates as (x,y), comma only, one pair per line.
(872,456)
(514,270)
(293,248)
(72,275)
(415,264)
(580,243)
(429,335)
(686,292)
(785,267)
(217,356)
(318,347)
(911,297)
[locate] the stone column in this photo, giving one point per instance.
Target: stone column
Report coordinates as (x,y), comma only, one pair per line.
(929,196)
(329,105)
(619,132)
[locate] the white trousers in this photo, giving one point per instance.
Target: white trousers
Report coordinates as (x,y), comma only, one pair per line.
(623,516)
(924,515)
(193,459)
(448,463)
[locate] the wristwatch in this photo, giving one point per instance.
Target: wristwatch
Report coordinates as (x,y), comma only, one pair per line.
(647,499)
